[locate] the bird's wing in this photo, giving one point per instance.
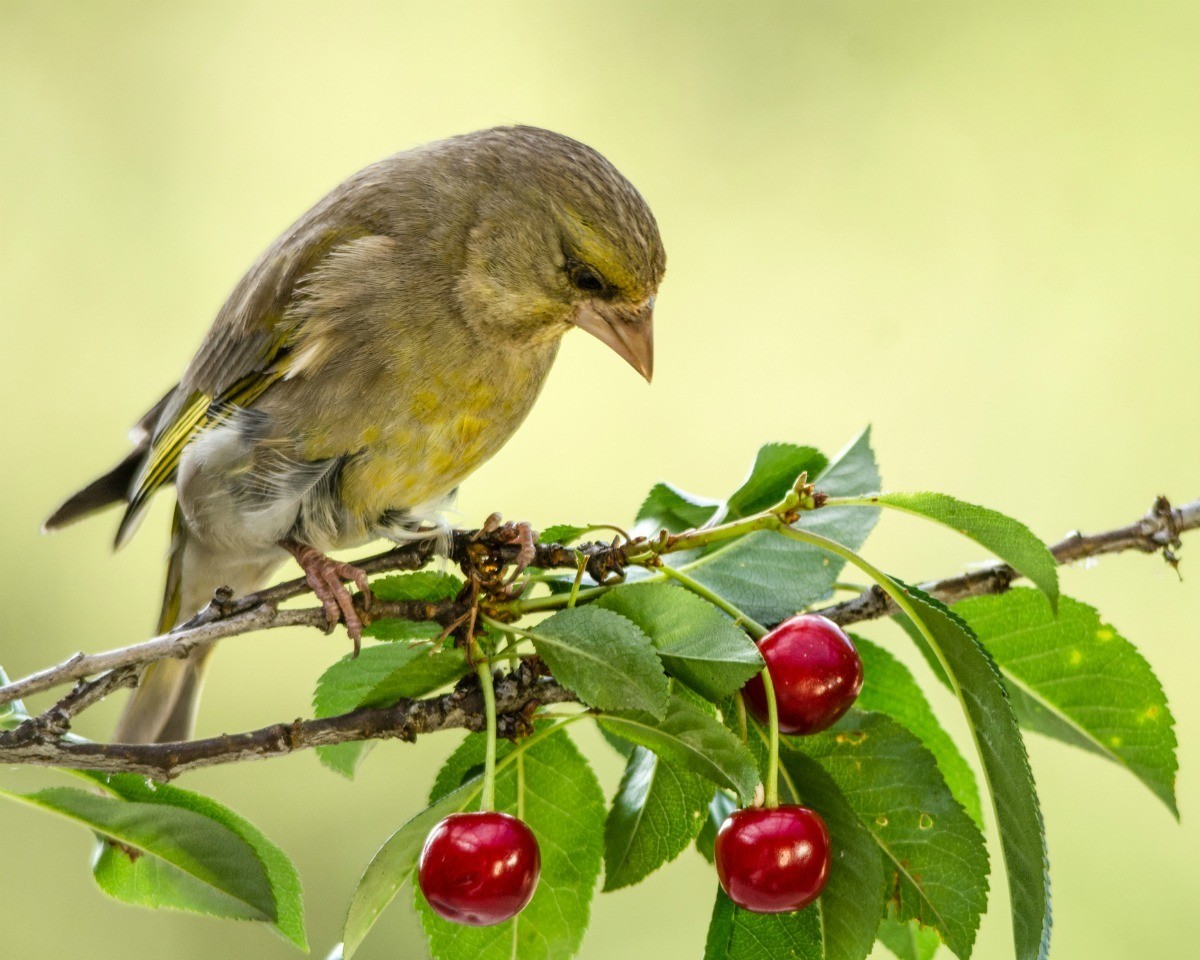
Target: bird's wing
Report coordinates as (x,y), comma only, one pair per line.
(246,350)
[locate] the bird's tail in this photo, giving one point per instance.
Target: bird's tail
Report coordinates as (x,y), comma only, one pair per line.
(103,492)
(162,707)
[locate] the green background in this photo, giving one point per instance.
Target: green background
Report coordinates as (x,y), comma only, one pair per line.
(974,226)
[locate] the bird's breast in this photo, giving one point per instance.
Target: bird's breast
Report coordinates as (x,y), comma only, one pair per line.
(435,434)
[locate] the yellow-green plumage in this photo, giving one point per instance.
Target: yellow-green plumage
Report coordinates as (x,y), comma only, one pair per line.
(379,351)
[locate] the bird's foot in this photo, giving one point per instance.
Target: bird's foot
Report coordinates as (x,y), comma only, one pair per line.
(327,578)
(520,533)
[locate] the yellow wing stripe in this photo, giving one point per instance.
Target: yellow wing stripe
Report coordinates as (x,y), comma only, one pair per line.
(168,446)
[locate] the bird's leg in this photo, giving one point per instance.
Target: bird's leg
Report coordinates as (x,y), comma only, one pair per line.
(327,578)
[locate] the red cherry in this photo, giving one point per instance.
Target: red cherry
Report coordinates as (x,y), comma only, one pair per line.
(479,868)
(815,670)
(773,859)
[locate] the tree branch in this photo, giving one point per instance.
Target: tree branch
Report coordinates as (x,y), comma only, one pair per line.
(517,694)
(1158,530)
(40,740)
(226,616)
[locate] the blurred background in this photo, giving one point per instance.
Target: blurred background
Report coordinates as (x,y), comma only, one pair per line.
(974,226)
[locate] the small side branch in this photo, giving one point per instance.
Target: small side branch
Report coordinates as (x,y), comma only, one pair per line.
(200,631)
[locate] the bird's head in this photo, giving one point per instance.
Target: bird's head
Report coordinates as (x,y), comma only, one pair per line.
(560,239)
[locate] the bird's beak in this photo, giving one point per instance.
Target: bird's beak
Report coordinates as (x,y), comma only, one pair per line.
(628,329)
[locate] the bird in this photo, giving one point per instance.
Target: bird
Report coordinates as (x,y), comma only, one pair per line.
(380,350)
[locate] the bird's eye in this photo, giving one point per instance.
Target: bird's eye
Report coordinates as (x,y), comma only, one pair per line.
(585,278)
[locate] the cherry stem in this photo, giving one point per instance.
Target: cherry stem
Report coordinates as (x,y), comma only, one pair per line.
(487,798)
(579,572)
(739,703)
(771,787)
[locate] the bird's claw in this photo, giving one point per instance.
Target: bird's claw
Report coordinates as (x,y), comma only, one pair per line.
(520,533)
(327,578)
(525,537)
(493,523)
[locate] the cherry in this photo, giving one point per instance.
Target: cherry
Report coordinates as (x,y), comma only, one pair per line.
(479,868)
(773,859)
(815,670)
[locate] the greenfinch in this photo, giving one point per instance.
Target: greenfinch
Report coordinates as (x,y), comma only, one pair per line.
(386,345)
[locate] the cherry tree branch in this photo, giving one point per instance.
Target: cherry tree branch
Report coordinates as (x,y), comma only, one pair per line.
(229,617)
(1158,530)
(517,694)
(41,740)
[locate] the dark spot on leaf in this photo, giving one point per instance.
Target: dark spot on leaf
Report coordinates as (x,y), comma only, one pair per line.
(133,853)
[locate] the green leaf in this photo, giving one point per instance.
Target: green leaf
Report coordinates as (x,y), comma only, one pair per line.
(909,941)
(736,934)
(696,642)
(771,577)
(927,652)
(765,575)
(149,881)
(430,586)
(563,533)
(773,474)
(1010,540)
(1074,678)
(889,688)
(658,810)
(934,858)
(852,903)
(550,786)
(998,739)
(853,472)
(392,867)
(669,508)
(719,809)
(393,628)
(774,471)
(228,877)
(603,657)
(379,677)
(694,740)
